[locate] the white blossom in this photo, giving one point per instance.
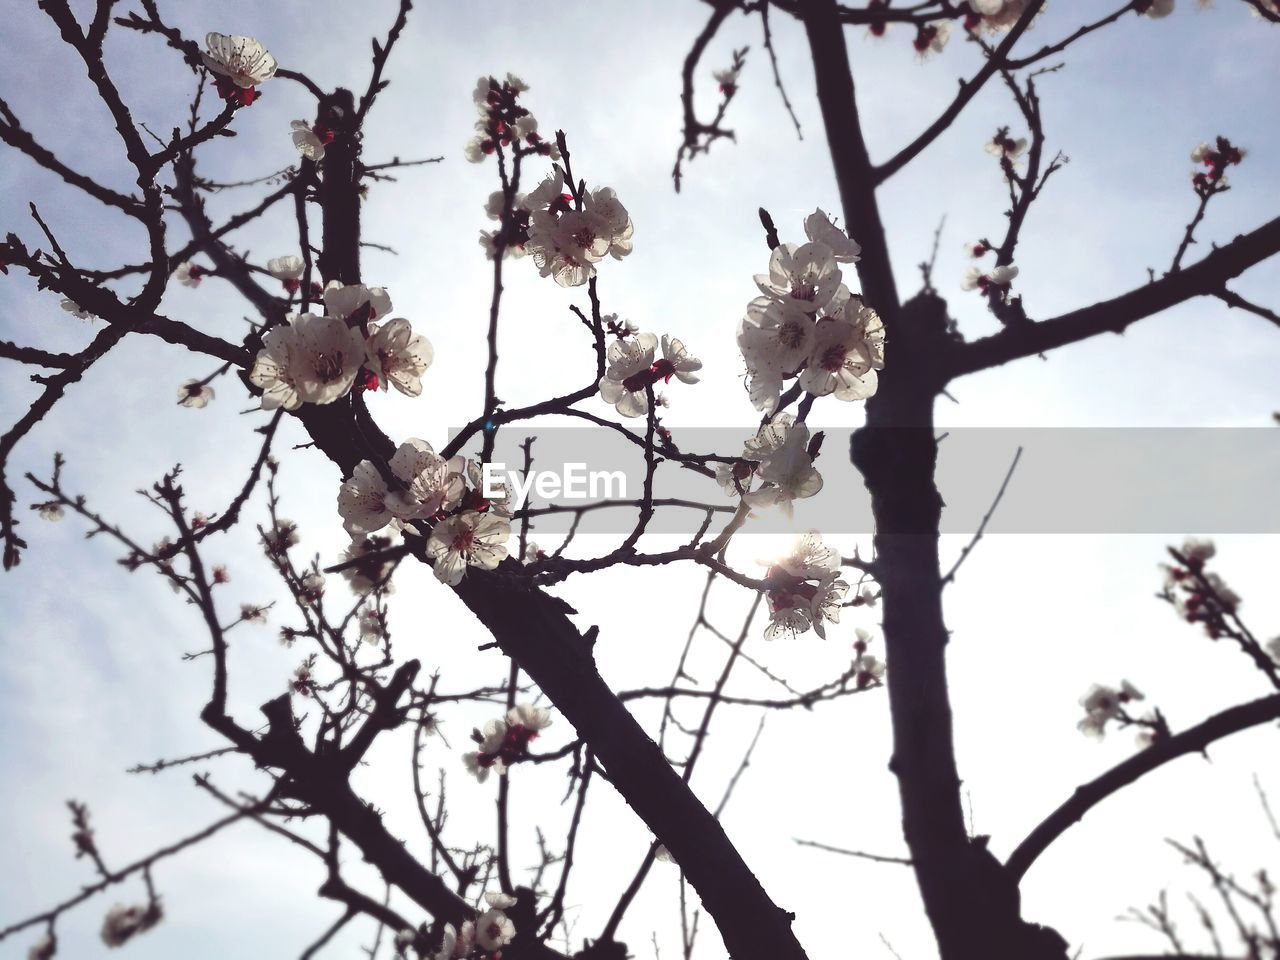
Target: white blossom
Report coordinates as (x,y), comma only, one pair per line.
(327,355)
(193,393)
(243,60)
(976,278)
(806,276)
(362,500)
(787,473)
(307,141)
(188,274)
(275,369)
(819,228)
(494,930)
(1102,704)
(469,539)
(775,336)
(354,301)
(499,900)
(530,717)
(51,511)
(288,267)
(628,360)
(845,356)
(431,483)
(43,949)
(1004,146)
(398,356)
(1157,9)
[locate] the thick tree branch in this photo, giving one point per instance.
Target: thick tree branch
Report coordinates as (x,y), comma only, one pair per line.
(1086,797)
(1205,278)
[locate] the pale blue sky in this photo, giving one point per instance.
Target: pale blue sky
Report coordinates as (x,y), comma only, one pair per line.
(93,681)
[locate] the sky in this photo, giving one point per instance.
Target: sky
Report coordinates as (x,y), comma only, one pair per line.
(94,682)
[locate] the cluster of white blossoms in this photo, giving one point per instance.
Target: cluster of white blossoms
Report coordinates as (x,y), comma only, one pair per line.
(806,589)
(1102,704)
(124,923)
(564,237)
(240,64)
(776,467)
(491,931)
(504,121)
(567,237)
(470,530)
(807,324)
(566,232)
(505,741)
(633,370)
(1200,595)
(316,358)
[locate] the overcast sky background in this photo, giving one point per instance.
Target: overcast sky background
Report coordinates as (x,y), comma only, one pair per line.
(92,680)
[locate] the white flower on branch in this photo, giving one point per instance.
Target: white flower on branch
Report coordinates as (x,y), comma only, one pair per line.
(727,79)
(469,539)
(787,473)
(274,370)
(43,949)
(1103,704)
(195,394)
(775,336)
(431,483)
(310,142)
(287,269)
(819,228)
(629,361)
(1006,147)
(494,930)
(931,37)
(329,356)
(994,15)
(846,354)
(807,590)
(354,302)
(243,60)
(240,64)
(530,717)
(565,243)
(398,356)
(805,277)
(189,274)
(50,510)
(984,280)
(499,900)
